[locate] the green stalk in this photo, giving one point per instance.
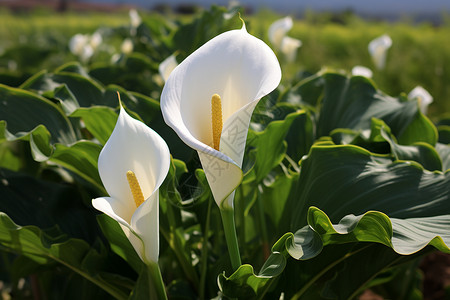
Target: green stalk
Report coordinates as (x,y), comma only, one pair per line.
(229,227)
(157,288)
(204,257)
(262,223)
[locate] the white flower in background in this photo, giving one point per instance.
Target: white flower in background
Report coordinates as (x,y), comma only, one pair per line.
(378,50)
(166,67)
(209,99)
(278,30)
(362,71)
(289,47)
(132,165)
(84,45)
(423,97)
(127,46)
(280,41)
(135,20)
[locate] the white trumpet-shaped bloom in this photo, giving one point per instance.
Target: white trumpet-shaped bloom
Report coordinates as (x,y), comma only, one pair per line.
(127,46)
(422,96)
(280,41)
(135,19)
(289,47)
(240,69)
(362,71)
(166,67)
(378,50)
(278,30)
(134,147)
(85,45)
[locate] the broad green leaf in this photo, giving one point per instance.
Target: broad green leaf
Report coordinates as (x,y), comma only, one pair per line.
(444,134)
(43,249)
(244,283)
(99,121)
(444,153)
(80,158)
(119,242)
(420,152)
(358,181)
(351,102)
(86,91)
(270,146)
(22,112)
(47,204)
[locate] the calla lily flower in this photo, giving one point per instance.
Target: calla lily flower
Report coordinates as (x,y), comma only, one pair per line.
(362,71)
(422,96)
(378,50)
(166,67)
(135,21)
(278,30)
(132,165)
(127,46)
(209,99)
(289,47)
(84,45)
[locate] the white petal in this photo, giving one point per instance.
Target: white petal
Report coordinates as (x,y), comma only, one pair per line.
(96,40)
(278,30)
(127,46)
(378,50)
(145,222)
(238,67)
(115,209)
(166,66)
(289,47)
(133,146)
(423,97)
(77,43)
(362,71)
(135,19)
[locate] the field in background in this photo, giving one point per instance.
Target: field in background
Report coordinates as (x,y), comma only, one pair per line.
(420,54)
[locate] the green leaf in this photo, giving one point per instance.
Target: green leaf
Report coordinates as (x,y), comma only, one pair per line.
(80,158)
(359,181)
(99,121)
(444,153)
(43,249)
(444,134)
(47,204)
(270,146)
(244,283)
(23,113)
(420,152)
(86,91)
(351,102)
(119,242)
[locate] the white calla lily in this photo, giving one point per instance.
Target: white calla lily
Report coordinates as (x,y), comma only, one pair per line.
(133,197)
(240,69)
(362,71)
(378,50)
(289,47)
(127,46)
(424,98)
(278,30)
(135,19)
(166,66)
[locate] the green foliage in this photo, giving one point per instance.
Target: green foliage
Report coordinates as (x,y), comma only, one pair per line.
(345,187)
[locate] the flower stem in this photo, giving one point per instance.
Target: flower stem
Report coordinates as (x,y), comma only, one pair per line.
(229,227)
(157,288)
(204,257)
